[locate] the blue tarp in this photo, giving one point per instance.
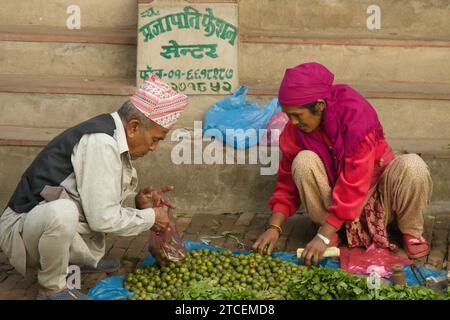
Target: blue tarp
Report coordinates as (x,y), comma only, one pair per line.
(112,288)
(411,279)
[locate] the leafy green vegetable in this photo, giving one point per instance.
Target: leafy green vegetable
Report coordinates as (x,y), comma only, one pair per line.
(325,284)
(205,290)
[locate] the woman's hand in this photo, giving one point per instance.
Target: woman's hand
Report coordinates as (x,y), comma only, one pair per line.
(314,250)
(269,237)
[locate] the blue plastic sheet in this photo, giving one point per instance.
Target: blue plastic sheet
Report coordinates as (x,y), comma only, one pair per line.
(411,279)
(237,121)
(112,288)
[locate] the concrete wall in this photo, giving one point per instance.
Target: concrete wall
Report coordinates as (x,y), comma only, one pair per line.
(98,14)
(398,17)
(200,188)
(235,188)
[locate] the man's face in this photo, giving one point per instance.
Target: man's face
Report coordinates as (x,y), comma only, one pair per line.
(303,118)
(140,140)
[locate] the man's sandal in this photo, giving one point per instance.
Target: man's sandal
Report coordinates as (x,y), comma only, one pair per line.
(415,247)
(104,265)
(66,294)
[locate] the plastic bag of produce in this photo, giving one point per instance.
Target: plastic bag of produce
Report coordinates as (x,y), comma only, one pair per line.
(357,260)
(167,246)
(274,129)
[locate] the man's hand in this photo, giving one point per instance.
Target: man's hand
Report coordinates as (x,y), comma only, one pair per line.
(161,219)
(270,238)
(151,198)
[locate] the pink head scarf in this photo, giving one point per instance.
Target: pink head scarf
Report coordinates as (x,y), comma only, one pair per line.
(305,84)
(347,119)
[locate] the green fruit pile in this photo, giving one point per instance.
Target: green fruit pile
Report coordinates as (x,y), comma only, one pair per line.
(224,274)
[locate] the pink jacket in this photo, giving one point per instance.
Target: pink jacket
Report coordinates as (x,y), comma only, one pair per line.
(361,173)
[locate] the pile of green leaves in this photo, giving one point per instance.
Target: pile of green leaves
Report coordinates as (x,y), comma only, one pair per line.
(330,284)
(205,290)
(327,284)
(409,293)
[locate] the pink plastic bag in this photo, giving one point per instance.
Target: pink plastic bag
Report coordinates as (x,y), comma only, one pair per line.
(360,261)
(277,122)
(167,246)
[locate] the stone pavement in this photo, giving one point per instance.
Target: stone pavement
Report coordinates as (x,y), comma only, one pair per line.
(226,230)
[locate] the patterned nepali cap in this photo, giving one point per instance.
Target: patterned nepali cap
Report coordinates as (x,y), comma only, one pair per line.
(159,102)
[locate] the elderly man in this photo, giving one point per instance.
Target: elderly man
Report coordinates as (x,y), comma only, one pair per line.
(74,192)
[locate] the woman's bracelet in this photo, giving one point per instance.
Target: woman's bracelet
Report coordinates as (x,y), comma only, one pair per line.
(274,226)
(323,238)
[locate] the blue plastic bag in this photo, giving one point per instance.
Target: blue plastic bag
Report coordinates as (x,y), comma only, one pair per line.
(229,119)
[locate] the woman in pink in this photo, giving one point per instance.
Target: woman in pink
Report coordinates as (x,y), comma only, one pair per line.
(336,162)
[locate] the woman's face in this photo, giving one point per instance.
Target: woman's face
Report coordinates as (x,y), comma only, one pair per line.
(303,118)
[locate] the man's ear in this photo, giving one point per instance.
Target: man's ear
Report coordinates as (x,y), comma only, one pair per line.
(132,127)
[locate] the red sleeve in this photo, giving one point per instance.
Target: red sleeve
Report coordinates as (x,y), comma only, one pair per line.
(285,197)
(352,186)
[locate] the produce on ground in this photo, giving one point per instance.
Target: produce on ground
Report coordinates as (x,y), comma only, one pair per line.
(209,274)
(331,284)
